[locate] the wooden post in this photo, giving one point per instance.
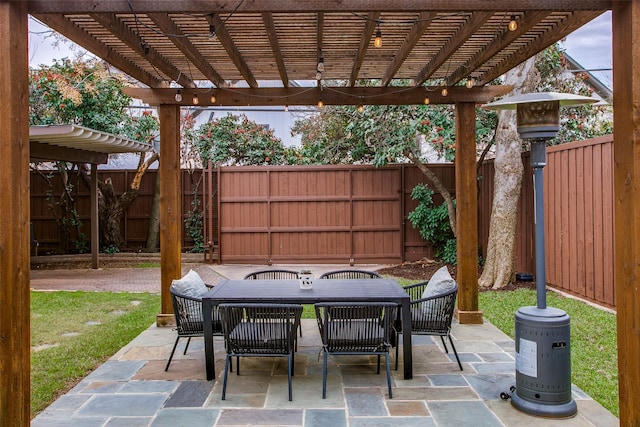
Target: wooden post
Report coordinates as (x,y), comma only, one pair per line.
(626,152)
(467,214)
(170,207)
(95,219)
(15,336)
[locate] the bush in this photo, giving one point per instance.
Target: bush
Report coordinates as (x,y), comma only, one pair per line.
(433,224)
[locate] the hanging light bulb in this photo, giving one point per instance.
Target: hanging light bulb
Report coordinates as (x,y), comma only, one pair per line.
(360,108)
(426,100)
(513,24)
(444,91)
(469,83)
(321,65)
(178,96)
(320,103)
(318,76)
(377,42)
(286,108)
(213,98)
(195,99)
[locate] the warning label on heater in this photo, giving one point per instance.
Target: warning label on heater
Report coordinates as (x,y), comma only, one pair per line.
(526,360)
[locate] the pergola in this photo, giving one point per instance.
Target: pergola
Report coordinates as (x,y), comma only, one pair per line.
(187,52)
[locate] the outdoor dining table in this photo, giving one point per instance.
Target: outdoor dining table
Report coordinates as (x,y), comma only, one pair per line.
(323,290)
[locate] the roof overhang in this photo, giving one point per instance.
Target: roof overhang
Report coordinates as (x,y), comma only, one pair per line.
(72,143)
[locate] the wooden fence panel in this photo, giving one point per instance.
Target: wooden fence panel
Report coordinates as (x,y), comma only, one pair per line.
(579,219)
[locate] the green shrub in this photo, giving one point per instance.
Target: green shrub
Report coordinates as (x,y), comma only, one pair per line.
(433,224)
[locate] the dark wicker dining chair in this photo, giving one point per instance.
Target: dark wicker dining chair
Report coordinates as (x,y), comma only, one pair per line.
(350,274)
(272,275)
(432,315)
(189,323)
(275,274)
(356,328)
(254,330)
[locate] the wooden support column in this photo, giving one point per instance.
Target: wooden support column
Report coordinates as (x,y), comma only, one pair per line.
(626,152)
(467,214)
(95,220)
(170,207)
(15,336)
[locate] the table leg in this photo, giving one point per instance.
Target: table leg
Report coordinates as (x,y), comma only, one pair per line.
(406,339)
(209,357)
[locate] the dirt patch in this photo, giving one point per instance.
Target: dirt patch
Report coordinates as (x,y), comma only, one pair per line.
(422,270)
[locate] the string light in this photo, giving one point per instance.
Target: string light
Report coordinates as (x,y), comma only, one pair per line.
(195,99)
(212,30)
(444,91)
(320,103)
(360,108)
(426,100)
(513,24)
(286,108)
(321,65)
(318,76)
(469,83)
(178,96)
(377,42)
(213,98)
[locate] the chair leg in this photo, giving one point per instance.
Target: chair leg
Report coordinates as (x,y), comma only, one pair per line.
(172,351)
(226,370)
(397,349)
(378,370)
(455,352)
(237,365)
(386,359)
(446,350)
(290,363)
(187,346)
(324,376)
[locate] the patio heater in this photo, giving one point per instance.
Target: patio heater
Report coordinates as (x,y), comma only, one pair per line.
(543,354)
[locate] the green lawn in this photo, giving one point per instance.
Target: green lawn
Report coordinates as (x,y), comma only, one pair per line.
(72,333)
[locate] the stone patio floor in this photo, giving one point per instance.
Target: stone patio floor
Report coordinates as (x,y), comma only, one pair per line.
(132,389)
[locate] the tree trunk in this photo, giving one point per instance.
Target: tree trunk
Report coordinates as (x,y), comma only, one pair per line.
(498,270)
(153,232)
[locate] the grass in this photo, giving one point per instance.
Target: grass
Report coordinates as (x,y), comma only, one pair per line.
(75,332)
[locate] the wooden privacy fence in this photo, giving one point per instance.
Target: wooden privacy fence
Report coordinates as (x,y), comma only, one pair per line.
(320,214)
(358,214)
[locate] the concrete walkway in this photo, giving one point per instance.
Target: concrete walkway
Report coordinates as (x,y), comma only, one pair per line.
(132,388)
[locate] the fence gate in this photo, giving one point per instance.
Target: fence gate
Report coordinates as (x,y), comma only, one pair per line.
(317,214)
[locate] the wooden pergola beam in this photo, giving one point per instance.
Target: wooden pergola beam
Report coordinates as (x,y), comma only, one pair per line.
(476,21)
(15,314)
(626,177)
(367,33)
(418,28)
(267,18)
(167,26)
(227,42)
(112,23)
(562,29)
(279,6)
(68,29)
(330,95)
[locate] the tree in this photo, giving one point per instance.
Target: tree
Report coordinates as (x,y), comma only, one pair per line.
(86,93)
(546,72)
(236,140)
(386,134)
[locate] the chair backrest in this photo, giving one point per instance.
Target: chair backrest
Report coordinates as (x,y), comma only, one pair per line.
(356,327)
(260,328)
(433,314)
(350,274)
(272,275)
(188,313)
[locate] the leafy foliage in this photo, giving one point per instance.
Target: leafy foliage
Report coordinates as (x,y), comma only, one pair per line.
(77,92)
(433,224)
(236,140)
